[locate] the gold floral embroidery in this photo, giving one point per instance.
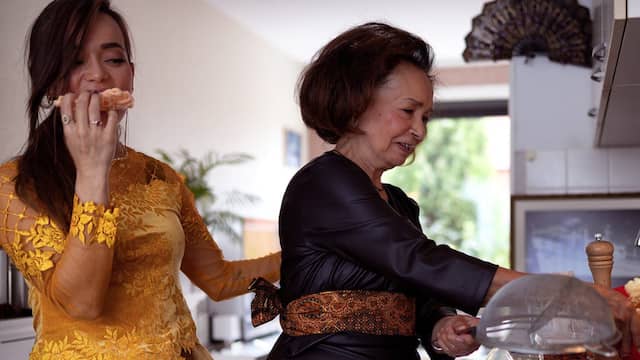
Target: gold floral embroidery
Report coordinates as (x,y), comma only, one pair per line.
(30,262)
(139,199)
(114,345)
(58,350)
(45,233)
(84,218)
(45,238)
(144,283)
(137,284)
(107,227)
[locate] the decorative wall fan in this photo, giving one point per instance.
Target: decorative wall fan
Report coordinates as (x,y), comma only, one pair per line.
(560,28)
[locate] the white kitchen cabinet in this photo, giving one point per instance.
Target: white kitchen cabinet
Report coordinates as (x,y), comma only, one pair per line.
(17,349)
(16,338)
(553,138)
(548,105)
(616,85)
(633,9)
(600,11)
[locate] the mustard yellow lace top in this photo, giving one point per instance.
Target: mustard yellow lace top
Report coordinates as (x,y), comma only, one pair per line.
(155,231)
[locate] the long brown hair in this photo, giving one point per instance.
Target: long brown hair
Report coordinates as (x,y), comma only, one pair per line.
(46,173)
(337,87)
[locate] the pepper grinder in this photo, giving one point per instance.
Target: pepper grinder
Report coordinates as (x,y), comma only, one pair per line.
(600,254)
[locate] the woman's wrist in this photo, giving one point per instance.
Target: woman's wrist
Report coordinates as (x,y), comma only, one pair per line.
(93,223)
(93,188)
(435,345)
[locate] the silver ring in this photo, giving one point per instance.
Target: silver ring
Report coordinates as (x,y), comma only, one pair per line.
(436,346)
(95,122)
(65,119)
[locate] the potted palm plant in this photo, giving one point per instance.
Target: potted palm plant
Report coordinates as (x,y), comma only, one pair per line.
(195,171)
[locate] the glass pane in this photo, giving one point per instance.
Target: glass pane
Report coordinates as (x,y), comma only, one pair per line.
(460,177)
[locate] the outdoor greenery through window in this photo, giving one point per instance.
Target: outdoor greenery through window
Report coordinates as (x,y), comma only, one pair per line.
(460,179)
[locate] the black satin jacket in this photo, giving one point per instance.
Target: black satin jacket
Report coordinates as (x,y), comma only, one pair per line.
(337,233)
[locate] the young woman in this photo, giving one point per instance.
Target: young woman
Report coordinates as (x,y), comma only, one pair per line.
(99,230)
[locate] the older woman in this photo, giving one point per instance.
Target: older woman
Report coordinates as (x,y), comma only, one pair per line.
(360,280)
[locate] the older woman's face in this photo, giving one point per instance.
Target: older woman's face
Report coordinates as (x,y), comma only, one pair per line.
(396,121)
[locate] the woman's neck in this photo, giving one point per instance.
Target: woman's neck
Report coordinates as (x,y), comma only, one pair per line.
(374,173)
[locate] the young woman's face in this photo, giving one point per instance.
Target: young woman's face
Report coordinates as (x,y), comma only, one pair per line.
(102,62)
(396,120)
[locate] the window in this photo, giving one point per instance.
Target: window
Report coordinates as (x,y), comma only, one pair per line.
(460,178)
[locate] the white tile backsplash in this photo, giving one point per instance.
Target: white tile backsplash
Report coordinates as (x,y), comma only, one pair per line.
(587,170)
(624,170)
(545,172)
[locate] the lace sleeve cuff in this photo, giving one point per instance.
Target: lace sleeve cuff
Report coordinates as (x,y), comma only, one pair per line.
(93,223)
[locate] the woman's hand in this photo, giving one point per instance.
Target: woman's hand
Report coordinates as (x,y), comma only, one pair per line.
(91,138)
(451,335)
(91,141)
(626,316)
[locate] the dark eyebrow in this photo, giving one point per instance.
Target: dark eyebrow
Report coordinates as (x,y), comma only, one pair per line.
(111,45)
(414,101)
(418,103)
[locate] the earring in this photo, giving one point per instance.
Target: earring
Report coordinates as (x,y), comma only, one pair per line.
(121,149)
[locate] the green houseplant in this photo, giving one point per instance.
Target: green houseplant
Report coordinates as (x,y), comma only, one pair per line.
(195,172)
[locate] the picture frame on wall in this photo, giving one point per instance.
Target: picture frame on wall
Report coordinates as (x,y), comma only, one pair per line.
(549,233)
(292,148)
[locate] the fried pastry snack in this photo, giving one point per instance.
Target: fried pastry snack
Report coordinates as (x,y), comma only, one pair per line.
(110,99)
(632,287)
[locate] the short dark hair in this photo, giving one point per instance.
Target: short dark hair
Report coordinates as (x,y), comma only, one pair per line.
(339,83)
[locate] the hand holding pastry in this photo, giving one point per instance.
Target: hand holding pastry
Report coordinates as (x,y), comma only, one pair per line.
(110,99)
(91,135)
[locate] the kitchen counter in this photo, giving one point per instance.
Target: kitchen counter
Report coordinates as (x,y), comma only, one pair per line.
(16,337)
(258,349)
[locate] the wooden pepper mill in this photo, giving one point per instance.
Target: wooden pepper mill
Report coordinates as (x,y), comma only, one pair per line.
(600,255)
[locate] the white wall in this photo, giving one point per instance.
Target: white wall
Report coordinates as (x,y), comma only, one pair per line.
(553,137)
(633,8)
(15,18)
(202,82)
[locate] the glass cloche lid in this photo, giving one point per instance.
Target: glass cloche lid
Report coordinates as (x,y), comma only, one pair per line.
(548,314)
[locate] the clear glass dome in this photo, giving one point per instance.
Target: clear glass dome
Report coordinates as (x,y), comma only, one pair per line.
(501,354)
(548,314)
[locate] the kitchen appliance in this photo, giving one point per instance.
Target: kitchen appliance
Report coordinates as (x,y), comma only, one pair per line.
(18,291)
(4,278)
(16,338)
(231,321)
(14,292)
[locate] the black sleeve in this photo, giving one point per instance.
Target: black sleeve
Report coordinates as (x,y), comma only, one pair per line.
(332,206)
(428,311)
